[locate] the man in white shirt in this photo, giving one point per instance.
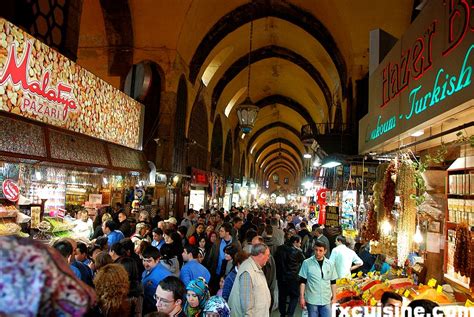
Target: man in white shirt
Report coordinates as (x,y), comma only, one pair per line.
(344,258)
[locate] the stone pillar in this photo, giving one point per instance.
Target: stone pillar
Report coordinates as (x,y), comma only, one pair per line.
(165,134)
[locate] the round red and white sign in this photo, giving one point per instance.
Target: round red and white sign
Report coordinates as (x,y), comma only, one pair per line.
(11,190)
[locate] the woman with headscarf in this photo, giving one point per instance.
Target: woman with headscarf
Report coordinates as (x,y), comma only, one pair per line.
(49,288)
(216,306)
(197,294)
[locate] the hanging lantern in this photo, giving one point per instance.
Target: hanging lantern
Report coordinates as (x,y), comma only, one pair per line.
(247,113)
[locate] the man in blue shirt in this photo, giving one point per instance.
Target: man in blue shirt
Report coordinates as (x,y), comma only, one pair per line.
(192,269)
(151,277)
(113,235)
(318,282)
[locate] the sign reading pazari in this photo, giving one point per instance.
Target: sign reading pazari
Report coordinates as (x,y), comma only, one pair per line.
(428,73)
(38,83)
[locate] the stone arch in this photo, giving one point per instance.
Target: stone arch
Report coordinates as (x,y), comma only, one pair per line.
(236,161)
(252,169)
(151,100)
(179,144)
(260,9)
(217,145)
(242,166)
(228,156)
(270,51)
(119,30)
(198,137)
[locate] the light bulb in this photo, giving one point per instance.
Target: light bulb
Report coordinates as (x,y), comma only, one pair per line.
(38,175)
(386,227)
(418,238)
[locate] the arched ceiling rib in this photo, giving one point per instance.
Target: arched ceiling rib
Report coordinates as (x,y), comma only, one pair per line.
(277,77)
(270,51)
(279,158)
(271,153)
(288,102)
(277,164)
(278,167)
(276,141)
(272,125)
(256,10)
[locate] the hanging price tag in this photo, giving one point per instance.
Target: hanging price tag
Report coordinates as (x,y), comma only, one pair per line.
(439,289)
(359,274)
(373,302)
(432,282)
(469,303)
(407,293)
(353,275)
(370,274)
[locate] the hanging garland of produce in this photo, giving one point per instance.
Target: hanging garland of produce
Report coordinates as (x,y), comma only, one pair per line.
(461,251)
(388,194)
(377,188)
(370,227)
(407,216)
(471,263)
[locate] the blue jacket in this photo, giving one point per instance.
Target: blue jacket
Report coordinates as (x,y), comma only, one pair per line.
(192,270)
(150,281)
(228,283)
(114,237)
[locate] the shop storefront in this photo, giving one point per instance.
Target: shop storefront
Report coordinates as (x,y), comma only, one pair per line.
(421,110)
(73,140)
(198,189)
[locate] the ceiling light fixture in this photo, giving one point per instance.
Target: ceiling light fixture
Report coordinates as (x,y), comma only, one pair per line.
(247,112)
(331,161)
(418,133)
(307,155)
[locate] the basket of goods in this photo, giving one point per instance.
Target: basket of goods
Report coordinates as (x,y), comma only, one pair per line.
(59,225)
(8,211)
(433,295)
(399,283)
(9,228)
(368,284)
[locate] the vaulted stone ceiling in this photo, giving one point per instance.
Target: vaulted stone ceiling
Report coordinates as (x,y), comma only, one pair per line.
(306,56)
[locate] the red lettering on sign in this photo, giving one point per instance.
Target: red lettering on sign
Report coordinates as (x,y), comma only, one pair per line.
(17,74)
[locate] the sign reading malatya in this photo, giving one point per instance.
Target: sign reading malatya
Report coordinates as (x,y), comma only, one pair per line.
(426,75)
(38,83)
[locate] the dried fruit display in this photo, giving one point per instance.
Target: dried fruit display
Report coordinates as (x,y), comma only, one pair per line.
(54,90)
(461,252)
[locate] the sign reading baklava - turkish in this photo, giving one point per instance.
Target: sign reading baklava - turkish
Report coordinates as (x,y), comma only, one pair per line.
(426,77)
(38,83)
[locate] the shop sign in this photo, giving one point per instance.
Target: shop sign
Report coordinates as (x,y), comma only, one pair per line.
(199,177)
(427,74)
(38,83)
(10,190)
(332,216)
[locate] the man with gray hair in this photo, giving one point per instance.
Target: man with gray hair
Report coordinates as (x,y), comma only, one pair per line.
(250,295)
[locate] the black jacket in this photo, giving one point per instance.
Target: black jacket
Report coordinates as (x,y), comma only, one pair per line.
(288,260)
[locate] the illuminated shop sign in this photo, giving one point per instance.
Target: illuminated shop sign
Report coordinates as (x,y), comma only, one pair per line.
(38,83)
(427,73)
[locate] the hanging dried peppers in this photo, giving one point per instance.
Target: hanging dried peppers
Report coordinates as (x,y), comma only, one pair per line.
(388,193)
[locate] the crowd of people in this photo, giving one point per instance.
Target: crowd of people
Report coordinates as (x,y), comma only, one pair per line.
(211,263)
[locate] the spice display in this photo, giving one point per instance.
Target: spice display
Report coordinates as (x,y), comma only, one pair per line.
(461,252)
(388,194)
(407,217)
